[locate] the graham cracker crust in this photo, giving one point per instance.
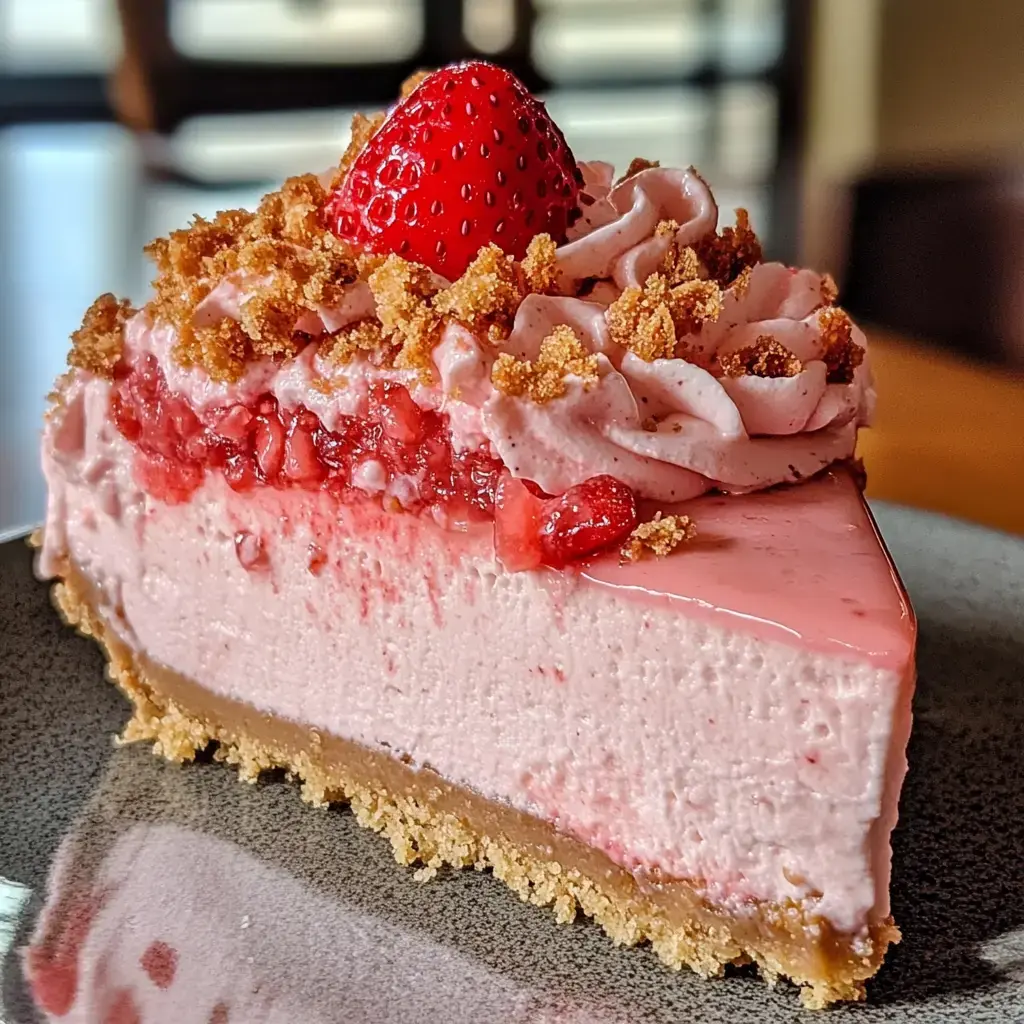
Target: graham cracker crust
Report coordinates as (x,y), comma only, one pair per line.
(433,823)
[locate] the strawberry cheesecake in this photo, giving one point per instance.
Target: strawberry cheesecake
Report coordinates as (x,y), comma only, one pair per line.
(514,504)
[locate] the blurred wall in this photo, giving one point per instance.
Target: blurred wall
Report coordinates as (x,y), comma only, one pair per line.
(894,82)
(842,128)
(951,79)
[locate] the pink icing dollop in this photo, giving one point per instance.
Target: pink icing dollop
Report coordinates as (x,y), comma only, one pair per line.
(671,429)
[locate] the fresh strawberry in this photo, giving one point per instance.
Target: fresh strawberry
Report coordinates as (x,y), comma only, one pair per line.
(592,515)
(517,525)
(469,157)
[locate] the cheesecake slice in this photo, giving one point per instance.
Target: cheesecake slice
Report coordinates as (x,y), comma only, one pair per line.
(514,506)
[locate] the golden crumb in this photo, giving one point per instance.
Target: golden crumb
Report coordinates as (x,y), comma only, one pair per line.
(561,354)
(659,536)
(363,129)
(741,285)
(767,357)
(636,165)
(183,253)
(649,321)
(642,325)
(291,262)
(367,263)
(538,264)
(486,295)
(693,304)
(680,265)
(842,354)
(293,213)
(413,81)
(364,336)
(402,292)
(726,255)
(829,289)
(97,345)
(221,349)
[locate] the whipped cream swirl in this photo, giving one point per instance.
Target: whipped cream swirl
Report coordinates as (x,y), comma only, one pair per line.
(671,429)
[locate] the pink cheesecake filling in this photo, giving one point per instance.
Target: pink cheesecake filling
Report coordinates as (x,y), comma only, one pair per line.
(715,725)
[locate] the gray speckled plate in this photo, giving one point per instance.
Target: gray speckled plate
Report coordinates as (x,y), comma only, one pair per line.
(269,910)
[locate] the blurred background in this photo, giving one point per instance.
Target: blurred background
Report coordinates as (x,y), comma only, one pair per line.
(883,141)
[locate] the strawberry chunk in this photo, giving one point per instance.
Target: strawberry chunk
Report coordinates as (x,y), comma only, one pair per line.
(301,462)
(592,515)
(400,416)
(467,158)
(268,442)
(168,479)
(517,525)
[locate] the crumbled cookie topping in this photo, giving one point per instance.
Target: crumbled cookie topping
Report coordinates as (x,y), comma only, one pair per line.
(727,254)
(741,285)
(767,357)
(363,129)
(659,536)
(293,262)
(829,290)
(636,165)
(842,354)
(97,345)
(402,291)
(680,263)
(363,336)
(538,264)
(487,294)
(561,354)
(414,80)
(649,321)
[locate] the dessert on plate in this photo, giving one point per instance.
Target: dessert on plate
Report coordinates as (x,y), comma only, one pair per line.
(514,504)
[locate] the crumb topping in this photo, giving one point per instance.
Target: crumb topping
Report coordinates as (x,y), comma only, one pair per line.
(363,336)
(538,264)
(727,254)
(741,285)
(659,536)
(97,345)
(293,265)
(649,321)
(413,81)
(842,354)
(362,130)
(296,264)
(487,294)
(767,357)
(636,165)
(402,292)
(680,263)
(829,289)
(561,354)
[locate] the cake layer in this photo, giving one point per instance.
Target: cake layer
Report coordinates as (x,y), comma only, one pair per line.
(681,739)
(433,822)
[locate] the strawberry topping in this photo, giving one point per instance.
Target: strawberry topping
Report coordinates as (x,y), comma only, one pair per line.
(397,452)
(469,157)
(530,530)
(403,445)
